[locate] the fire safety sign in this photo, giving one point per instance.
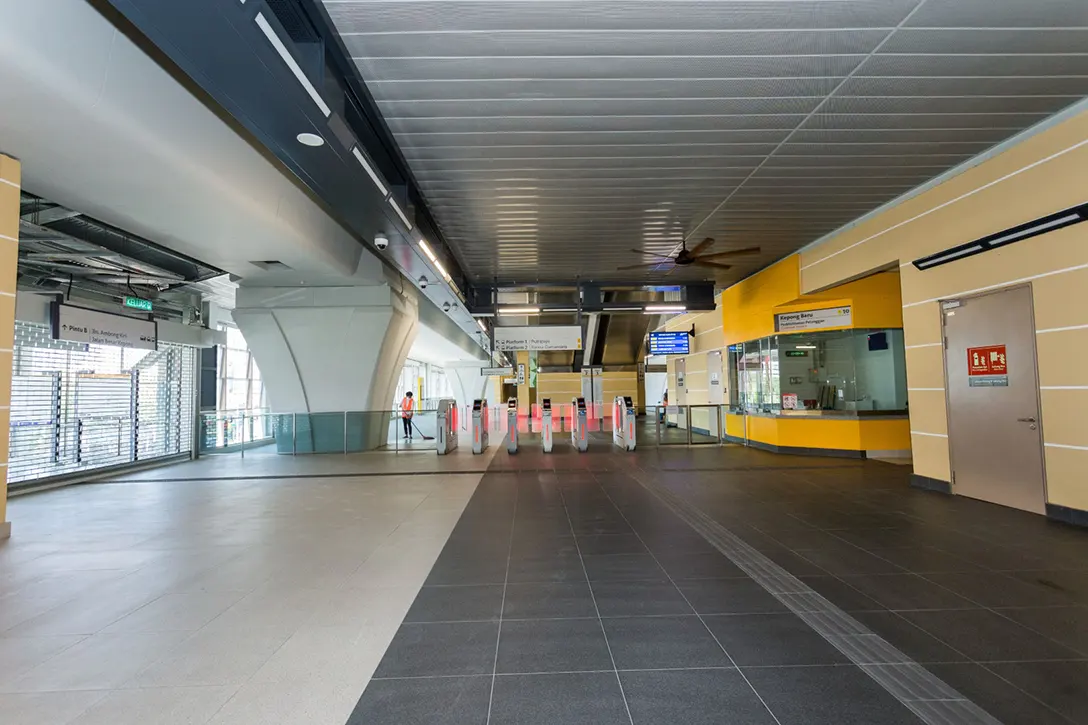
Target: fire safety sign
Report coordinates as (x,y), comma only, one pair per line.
(987,367)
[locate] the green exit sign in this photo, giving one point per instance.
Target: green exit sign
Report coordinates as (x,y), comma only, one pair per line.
(796,353)
(138,303)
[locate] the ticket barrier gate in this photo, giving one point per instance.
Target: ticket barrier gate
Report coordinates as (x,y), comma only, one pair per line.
(546,424)
(623,422)
(512,425)
(479,426)
(578,430)
(447,426)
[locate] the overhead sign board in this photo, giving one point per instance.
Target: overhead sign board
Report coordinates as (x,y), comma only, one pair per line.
(813,319)
(543,337)
(670,343)
(497,372)
(79,324)
(138,303)
(987,367)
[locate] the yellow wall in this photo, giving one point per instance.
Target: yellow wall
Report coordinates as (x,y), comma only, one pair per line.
(560,387)
(9,264)
(1043,174)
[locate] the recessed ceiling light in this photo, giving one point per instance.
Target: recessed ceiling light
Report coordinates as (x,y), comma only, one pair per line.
(310,139)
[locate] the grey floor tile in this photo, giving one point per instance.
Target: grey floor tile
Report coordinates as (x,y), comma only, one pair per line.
(772,640)
(693,697)
(621,567)
(633,598)
(553,645)
(560,699)
(547,569)
(424,650)
(548,600)
(915,643)
(713,565)
(425,701)
(594,544)
(993,589)
(846,560)
(456,604)
(654,643)
(984,635)
(841,594)
(467,572)
(739,595)
(827,696)
(908,591)
(1061,685)
(1002,700)
(1068,625)
(1072,584)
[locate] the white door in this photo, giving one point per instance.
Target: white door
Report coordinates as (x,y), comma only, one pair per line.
(994,427)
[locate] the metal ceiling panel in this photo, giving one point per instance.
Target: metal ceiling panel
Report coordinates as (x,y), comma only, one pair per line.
(551,137)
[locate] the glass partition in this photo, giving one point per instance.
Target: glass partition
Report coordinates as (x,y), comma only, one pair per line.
(841,370)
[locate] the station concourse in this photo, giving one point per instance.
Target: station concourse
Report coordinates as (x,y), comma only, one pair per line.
(552,362)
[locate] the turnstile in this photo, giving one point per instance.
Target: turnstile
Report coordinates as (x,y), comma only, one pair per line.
(447,425)
(479,426)
(512,425)
(578,425)
(623,422)
(546,424)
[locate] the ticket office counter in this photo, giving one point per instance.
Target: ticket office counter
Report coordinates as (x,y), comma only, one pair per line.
(838,393)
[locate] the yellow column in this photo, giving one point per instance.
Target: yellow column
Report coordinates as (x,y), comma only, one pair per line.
(523,388)
(9,264)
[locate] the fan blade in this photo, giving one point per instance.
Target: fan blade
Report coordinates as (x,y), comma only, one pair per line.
(652,254)
(700,247)
(646,265)
(716,265)
(733,253)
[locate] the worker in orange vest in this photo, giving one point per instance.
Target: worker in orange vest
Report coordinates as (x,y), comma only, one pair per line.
(406,414)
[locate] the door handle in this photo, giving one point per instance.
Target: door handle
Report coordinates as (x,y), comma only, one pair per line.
(1025,420)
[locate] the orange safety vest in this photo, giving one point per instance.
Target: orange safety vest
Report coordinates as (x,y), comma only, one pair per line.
(406,407)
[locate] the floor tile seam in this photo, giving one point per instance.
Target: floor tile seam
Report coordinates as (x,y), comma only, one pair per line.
(502,605)
(702,621)
(729,544)
(597,609)
(293,476)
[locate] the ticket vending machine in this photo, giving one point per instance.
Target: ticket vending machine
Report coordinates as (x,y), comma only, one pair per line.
(546,424)
(447,425)
(512,425)
(479,426)
(578,428)
(623,422)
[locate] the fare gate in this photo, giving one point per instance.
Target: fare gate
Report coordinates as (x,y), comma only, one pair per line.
(479,425)
(546,424)
(623,422)
(512,425)
(579,424)
(447,426)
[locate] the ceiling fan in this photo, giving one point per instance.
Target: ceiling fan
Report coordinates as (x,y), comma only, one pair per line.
(694,256)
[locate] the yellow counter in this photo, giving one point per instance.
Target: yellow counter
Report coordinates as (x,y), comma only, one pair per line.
(857,437)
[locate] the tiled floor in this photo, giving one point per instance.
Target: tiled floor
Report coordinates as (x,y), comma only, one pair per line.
(565,591)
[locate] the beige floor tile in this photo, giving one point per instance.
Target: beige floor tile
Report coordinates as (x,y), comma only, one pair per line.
(51,708)
(157,706)
(177,612)
(19,655)
(221,656)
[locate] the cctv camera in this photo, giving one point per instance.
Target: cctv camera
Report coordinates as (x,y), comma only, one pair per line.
(381,242)
(423,283)
(446,306)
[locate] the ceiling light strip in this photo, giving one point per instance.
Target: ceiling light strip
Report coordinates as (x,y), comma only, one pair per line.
(520,311)
(396,207)
(358,154)
(653,309)
(1042,225)
(289,59)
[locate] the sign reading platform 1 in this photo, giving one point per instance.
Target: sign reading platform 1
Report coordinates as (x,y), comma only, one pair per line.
(545,337)
(78,324)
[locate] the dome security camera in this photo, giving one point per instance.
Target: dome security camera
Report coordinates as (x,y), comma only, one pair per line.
(381,242)
(423,283)
(446,306)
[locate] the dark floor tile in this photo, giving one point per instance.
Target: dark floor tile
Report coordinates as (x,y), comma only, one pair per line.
(846,560)
(984,635)
(670,543)
(423,650)
(448,570)
(603,526)
(915,643)
(793,563)
(693,697)
(739,595)
(922,559)
(594,544)
(632,598)
(553,645)
(554,547)
(456,604)
(1068,625)
(827,696)
(712,565)
(651,643)
(622,567)
(1071,584)
(548,600)
(1061,685)
(992,589)
(424,701)
(907,591)
(772,639)
(561,699)
(1006,703)
(548,569)
(839,593)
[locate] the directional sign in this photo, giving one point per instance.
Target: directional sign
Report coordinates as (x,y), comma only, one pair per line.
(497,372)
(542,337)
(79,324)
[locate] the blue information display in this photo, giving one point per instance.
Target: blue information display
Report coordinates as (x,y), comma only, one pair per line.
(670,343)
